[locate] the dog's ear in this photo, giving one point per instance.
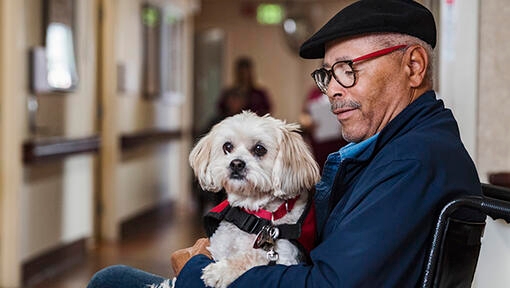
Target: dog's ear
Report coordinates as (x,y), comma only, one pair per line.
(295,167)
(199,161)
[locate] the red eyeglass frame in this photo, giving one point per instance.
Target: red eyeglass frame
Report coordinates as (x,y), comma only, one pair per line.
(365,57)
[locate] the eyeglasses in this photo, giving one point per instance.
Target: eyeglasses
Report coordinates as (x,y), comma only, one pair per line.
(343,72)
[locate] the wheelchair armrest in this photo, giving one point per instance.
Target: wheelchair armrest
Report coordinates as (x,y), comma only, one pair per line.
(495,208)
(496,192)
(496,202)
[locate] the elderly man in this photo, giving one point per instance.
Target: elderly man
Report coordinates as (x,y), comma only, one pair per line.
(379,195)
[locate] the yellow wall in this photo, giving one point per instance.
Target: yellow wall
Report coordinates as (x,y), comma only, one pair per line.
(12,83)
(146,177)
(57,196)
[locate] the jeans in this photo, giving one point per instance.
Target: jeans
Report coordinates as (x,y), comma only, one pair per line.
(120,276)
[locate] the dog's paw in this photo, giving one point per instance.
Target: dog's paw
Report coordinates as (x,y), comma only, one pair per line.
(219,274)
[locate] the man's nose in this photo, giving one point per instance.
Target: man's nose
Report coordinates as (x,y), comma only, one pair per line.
(335,89)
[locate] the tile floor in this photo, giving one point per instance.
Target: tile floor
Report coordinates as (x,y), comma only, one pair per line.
(148,248)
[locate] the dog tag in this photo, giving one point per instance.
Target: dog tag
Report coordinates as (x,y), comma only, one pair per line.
(266,238)
(263,239)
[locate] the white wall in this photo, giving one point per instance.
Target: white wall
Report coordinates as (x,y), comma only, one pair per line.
(475,85)
(494,261)
(493,137)
(458,71)
(494,92)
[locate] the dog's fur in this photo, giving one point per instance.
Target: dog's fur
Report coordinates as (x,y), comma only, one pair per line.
(277,165)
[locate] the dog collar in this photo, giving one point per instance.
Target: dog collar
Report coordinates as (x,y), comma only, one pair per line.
(302,233)
(285,208)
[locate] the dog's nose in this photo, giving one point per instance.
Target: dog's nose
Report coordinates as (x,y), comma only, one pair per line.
(237,165)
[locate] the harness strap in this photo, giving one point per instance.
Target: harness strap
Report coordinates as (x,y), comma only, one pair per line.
(302,234)
(253,224)
(214,217)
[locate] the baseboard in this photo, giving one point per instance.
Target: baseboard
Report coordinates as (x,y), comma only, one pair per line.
(148,220)
(53,262)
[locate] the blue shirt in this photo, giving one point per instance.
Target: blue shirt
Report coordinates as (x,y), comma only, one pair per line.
(323,188)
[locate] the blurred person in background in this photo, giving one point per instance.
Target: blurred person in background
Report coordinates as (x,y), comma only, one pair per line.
(248,95)
(243,94)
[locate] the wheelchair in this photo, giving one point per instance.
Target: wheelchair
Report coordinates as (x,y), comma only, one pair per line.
(456,243)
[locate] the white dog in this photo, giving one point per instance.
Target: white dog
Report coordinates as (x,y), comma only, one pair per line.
(267,171)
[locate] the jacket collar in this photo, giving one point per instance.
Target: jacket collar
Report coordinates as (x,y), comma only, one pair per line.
(413,114)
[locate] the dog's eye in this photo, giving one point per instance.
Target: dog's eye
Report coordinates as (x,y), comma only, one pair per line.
(259,150)
(228,147)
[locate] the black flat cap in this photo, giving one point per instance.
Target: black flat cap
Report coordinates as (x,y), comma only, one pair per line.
(373,16)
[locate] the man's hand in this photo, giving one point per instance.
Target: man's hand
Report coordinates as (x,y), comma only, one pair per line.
(180,257)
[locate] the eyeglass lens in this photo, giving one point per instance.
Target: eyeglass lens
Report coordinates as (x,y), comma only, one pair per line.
(322,78)
(344,74)
(342,71)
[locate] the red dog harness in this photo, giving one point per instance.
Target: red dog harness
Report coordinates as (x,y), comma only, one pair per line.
(302,234)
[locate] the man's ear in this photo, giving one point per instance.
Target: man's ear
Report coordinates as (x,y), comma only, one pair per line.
(417,63)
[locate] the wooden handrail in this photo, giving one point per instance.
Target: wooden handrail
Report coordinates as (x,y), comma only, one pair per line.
(35,150)
(500,178)
(146,137)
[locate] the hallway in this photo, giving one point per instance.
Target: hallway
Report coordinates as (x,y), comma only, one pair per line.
(148,247)
(78,161)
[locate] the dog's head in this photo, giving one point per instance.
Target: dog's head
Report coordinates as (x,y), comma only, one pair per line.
(256,157)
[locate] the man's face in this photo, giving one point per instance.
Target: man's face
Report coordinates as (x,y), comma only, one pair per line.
(380,92)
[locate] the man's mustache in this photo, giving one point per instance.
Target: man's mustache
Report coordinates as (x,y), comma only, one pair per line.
(338,104)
